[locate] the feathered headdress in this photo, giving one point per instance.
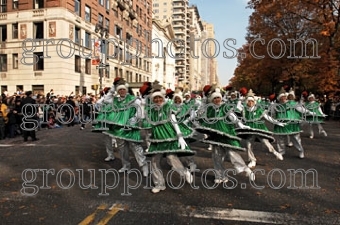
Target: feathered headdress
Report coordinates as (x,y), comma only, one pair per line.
(243,91)
(145,89)
(169,93)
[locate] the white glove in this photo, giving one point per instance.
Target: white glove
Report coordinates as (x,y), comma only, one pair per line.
(242,126)
(281,124)
(186,122)
(182,143)
(312,113)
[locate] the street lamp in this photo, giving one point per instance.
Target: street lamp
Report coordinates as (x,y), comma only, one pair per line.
(104,33)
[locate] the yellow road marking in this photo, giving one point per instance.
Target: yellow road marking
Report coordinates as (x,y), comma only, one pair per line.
(113,211)
(91,217)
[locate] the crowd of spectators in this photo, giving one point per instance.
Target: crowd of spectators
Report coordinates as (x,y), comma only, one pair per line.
(49,113)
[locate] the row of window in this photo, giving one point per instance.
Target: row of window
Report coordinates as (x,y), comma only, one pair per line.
(40,89)
(39,65)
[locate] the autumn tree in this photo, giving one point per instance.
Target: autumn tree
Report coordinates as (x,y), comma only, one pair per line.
(291,42)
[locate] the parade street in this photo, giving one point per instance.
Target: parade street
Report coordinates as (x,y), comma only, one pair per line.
(63,179)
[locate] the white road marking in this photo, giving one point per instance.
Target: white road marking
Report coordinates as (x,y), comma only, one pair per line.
(217,213)
(4,145)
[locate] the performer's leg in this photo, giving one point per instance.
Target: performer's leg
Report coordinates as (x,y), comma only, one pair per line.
(251,156)
(271,148)
(140,157)
(157,174)
(123,147)
(296,138)
(109,148)
(321,130)
(177,166)
(280,141)
(311,131)
(218,155)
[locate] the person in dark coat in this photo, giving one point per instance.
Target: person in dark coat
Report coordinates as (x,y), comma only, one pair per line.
(29,111)
(69,111)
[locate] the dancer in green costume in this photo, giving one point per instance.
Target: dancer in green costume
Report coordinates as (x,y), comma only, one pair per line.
(254,115)
(314,106)
(217,121)
(291,113)
(123,121)
(166,137)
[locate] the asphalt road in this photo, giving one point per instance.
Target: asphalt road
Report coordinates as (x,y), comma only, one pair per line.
(49,182)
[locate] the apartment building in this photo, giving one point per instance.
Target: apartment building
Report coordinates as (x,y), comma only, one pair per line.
(209,64)
(177,12)
(163,65)
(73,45)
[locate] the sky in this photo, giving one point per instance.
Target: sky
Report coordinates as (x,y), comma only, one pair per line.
(230,20)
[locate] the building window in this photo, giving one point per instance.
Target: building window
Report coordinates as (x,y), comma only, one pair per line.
(155,5)
(3,6)
(87,13)
(100,19)
(38,61)
(38,89)
(77,7)
(107,25)
(77,35)
(88,66)
(15,61)
(118,32)
(14,31)
(107,5)
(3,62)
(107,72)
(77,64)
(87,43)
(15,4)
(38,4)
(3,33)
(101,2)
(38,30)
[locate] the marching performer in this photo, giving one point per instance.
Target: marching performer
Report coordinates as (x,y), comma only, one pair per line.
(123,120)
(254,116)
(217,121)
(166,138)
(314,106)
(290,113)
(184,115)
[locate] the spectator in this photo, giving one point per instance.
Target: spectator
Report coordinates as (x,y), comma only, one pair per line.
(11,122)
(85,110)
(2,126)
(29,128)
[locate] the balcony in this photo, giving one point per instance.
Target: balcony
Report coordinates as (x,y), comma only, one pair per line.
(38,12)
(178,6)
(179,31)
(132,14)
(122,5)
(178,18)
(3,16)
(179,12)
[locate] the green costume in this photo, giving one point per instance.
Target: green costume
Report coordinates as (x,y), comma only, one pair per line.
(287,113)
(214,122)
(122,119)
(254,119)
(163,134)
